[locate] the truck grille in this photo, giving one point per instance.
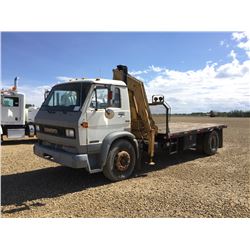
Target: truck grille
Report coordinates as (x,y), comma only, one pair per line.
(57,131)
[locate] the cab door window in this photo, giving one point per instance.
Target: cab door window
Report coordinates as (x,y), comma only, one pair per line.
(99,98)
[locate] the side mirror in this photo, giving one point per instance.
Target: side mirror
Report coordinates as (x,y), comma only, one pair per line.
(96,103)
(110,95)
(46,93)
(93,103)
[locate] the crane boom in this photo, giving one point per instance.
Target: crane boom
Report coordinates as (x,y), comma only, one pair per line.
(142,123)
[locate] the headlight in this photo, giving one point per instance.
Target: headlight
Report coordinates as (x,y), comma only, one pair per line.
(70,132)
(37,128)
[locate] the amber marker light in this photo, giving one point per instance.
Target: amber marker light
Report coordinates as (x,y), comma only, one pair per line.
(85,125)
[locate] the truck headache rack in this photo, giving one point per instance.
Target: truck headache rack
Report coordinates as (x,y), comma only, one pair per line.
(158,100)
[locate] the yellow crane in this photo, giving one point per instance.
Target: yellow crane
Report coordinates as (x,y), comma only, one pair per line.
(142,123)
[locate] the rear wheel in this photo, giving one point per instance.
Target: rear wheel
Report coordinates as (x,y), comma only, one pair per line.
(211,143)
(121,161)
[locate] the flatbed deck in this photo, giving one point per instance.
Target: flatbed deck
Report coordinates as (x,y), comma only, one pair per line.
(178,129)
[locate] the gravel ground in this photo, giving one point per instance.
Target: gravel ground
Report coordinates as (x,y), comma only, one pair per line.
(186,185)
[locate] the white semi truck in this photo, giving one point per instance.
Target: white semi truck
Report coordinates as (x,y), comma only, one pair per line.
(104,126)
(16,120)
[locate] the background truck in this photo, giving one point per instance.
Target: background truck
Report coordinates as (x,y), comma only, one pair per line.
(16,120)
(105,125)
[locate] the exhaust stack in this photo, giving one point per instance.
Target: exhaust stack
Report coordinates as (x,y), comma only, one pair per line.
(15,83)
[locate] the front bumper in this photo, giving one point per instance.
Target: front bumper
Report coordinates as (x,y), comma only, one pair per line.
(62,157)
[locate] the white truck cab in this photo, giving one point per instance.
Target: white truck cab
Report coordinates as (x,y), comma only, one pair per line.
(16,120)
(79,121)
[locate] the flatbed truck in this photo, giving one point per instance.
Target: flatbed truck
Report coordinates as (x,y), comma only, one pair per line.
(105,125)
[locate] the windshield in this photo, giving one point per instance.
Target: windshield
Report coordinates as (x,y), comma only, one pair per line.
(66,97)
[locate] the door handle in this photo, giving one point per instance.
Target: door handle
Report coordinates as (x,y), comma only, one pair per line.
(121,114)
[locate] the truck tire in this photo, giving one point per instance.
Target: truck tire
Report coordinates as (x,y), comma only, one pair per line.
(121,161)
(211,143)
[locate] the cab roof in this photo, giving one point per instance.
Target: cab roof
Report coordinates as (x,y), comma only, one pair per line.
(97,81)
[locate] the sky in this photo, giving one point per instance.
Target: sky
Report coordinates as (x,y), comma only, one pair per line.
(195,71)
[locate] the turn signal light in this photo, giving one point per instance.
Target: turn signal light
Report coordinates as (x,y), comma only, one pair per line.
(85,125)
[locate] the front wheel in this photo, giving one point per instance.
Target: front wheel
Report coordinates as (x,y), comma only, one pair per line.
(211,143)
(121,161)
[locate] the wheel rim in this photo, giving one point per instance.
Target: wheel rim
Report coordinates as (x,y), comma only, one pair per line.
(122,161)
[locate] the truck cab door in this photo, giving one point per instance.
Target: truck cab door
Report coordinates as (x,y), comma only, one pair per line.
(11,110)
(105,113)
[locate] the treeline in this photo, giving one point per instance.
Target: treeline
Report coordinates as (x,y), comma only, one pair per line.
(233,113)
